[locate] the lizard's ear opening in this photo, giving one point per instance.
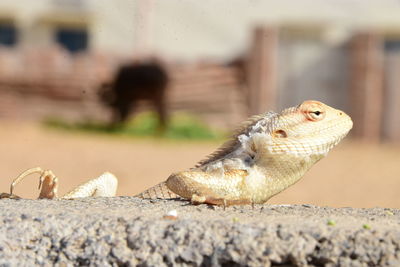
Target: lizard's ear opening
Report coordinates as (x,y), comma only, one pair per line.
(279,134)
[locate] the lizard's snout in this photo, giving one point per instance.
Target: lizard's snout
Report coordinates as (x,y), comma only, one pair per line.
(345,117)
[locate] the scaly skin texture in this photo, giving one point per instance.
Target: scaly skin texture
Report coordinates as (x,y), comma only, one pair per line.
(269,153)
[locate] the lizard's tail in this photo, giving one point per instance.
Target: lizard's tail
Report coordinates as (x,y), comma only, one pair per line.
(158,191)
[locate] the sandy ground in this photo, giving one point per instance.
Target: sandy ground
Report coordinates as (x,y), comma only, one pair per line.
(353,174)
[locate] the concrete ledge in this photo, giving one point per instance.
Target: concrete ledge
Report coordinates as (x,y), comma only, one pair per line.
(128,231)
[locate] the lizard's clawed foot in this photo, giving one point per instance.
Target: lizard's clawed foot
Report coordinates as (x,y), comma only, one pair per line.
(48,183)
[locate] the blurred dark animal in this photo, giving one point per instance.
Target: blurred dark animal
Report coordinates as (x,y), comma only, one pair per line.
(134,82)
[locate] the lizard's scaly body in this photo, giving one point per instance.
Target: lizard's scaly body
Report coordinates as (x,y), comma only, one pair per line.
(269,153)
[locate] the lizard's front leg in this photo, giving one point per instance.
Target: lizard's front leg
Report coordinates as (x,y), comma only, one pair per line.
(208,188)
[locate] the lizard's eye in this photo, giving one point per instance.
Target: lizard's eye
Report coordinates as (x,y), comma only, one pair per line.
(313,110)
(315,115)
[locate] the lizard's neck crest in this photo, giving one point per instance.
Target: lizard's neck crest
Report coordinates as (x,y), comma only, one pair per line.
(239,142)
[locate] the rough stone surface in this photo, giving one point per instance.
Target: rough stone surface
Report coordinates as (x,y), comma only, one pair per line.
(126,231)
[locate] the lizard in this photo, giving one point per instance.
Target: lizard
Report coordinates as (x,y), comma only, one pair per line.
(268,153)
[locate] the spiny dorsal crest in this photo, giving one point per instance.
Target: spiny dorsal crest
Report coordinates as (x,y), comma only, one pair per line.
(255,124)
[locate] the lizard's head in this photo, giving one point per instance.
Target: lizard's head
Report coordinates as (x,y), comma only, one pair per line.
(310,128)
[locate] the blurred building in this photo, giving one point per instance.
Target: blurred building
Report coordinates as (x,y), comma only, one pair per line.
(342,52)
(185,29)
(76,25)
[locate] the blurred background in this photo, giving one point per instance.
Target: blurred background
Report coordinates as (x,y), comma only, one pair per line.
(145,88)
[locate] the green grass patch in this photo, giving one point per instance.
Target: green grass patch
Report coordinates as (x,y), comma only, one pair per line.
(181,126)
